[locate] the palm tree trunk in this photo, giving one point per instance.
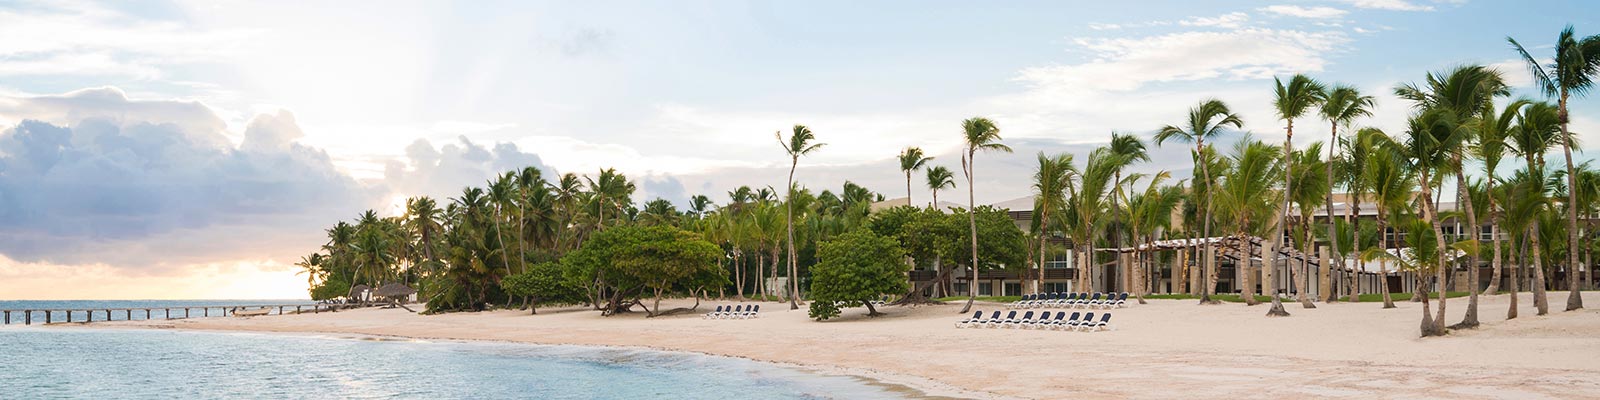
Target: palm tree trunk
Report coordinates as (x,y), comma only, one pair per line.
(908,189)
(1494,231)
(1471,318)
(1333,236)
(1044,221)
(1574,298)
(1275,228)
(972,223)
(1383,263)
(1353,220)
(1305,263)
(1516,277)
(794,271)
(1540,301)
(1208,261)
(1432,216)
(1116,221)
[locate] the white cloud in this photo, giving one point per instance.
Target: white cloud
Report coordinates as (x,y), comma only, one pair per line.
(1305,12)
(1231,20)
(1392,5)
(79,38)
(1123,64)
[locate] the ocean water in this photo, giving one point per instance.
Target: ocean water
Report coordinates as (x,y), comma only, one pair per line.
(98,307)
(54,362)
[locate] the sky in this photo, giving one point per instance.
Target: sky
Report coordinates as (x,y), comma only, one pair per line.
(160,149)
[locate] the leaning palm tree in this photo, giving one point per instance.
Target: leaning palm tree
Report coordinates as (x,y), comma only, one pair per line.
(1291,101)
(940,178)
(1342,106)
(1129,149)
(1537,130)
(1576,63)
(1050,182)
(1312,187)
(911,160)
(1458,99)
(501,196)
(1490,148)
(798,144)
(979,134)
(1206,120)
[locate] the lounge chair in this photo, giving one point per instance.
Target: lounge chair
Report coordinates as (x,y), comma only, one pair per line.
(1045,300)
(1085,321)
(976,317)
(1012,323)
(1066,301)
(1060,298)
(979,323)
(1047,324)
(998,322)
(711,314)
(736,311)
(752,312)
(1103,323)
(1122,300)
(1062,324)
(1044,318)
(1084,302)
(1025,301)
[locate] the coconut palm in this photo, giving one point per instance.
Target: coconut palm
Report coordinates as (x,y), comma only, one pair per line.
(1207,120)
(1291,101)
(1490,148)
(1129,149)
(798,144)
(1341,107)
(979,134)
(1391,182)
(1352,167)
(1313,185)
(1446,107)
(940,178)
(311,267)
(1248,197)
(1087,200)
(501,196)
(1150,213)
(1572,72)
(424,220)
(911,160)
(1050,181)
(1536,131)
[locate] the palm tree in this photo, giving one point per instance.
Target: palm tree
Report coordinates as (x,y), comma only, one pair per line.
(1490,148)
(1129,149)
(311,267)
(1358,150)
(940,178)
(1341,107)
(1086,205)
(1576,63)
(1440,132)
(979,134)
(798,144)
(1291,101)
(1391,182)
(1050,182)
(912,159)
(1248,197)
(1314,184)
(527,180)
(1537,130)
(611,191)
(424,219)
(500,195)
(567,189)
(1206,120)
(1149,214)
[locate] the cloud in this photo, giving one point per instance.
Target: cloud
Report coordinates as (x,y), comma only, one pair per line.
(442,172)
(1391,5)
(663,186)
(1319,12)
(81,38)
(1232,20)
(1124,64)
(92,176)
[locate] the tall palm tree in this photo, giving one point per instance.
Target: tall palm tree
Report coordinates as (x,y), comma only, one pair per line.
(501,196)
(1537,130)
(1206,120)
(1050,181)
(1291,101)
(911,160)
(1149,214)
(798,144)
(311,266)
(1341,107)
(567,189)
(979,134)
(1576,63)
(1490,148)
(1352,167)
(1447,106)
(1129,149)
(1247,196)
(1391,183)
(1313,184)
(1087,205)
(940,178)
(527,180)
(424,219)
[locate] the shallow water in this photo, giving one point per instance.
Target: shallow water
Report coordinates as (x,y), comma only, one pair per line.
(139,364)
(159,308)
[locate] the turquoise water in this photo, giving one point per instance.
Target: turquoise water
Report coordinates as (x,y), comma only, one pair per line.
(142,364)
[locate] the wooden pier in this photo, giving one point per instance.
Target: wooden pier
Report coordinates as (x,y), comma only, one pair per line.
(128,314)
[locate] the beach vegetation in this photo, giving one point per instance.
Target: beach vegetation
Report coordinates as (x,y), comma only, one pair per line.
(856,268)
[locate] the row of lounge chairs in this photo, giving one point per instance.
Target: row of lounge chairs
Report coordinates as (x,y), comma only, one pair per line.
(1071,300)
(1059,321)
(734,312)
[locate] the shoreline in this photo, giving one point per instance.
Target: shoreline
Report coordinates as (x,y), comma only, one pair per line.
(1163,348)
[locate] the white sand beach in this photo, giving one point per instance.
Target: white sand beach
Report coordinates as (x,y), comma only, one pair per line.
(1165,349)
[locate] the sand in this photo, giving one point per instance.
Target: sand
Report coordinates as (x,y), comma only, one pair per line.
(1164,349)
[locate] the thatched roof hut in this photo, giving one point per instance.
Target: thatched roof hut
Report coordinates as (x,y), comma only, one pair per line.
(359,292)
(394,290)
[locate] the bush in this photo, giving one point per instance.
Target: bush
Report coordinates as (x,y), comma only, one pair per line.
(856,268)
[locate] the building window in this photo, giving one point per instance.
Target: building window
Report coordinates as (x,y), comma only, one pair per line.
(1057,264)
(959,288)
(986,289)
(1055,287)
(1487,233)
(1013,289)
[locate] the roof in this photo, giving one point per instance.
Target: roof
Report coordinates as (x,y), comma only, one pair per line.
(1024,203)
(902,201)
(394,289)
